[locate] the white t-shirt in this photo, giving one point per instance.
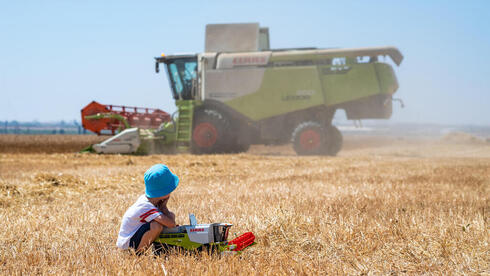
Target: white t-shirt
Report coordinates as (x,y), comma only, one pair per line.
(141,212)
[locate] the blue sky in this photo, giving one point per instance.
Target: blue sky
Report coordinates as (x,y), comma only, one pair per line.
(57,56)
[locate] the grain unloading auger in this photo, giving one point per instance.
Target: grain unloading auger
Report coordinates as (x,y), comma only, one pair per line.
(240,92)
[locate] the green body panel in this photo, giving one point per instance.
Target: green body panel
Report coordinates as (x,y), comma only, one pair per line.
(182,240)
(348,82)
(161,141)
(387,79)
(292,88)
(178,239)
(288,88)
(169,131)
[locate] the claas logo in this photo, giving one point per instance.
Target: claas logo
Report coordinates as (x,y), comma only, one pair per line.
(251,60)
(197,230)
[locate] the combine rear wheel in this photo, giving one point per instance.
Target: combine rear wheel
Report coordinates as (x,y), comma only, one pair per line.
(209,134)
(309,139)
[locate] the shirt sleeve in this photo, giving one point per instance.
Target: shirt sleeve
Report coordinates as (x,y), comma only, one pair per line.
(149,215)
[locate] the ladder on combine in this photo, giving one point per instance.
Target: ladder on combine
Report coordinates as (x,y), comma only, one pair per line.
(184,125)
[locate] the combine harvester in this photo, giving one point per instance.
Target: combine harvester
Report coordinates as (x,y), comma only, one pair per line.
(240,92)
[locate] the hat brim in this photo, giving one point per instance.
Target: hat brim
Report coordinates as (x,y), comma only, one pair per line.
(163,192)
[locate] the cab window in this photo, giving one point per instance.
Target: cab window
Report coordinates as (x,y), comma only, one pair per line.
(182,73)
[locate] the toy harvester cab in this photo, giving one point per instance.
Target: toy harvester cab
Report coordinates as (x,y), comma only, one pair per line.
(198,237)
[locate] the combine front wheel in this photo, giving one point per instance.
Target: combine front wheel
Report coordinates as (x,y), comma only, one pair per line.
(209,132)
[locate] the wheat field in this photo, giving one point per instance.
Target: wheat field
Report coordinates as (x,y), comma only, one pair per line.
(383,206)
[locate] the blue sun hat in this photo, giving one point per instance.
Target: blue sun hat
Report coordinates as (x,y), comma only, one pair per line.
(160,181)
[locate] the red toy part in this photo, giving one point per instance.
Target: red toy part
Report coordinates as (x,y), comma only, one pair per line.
(242,241)
(141,117)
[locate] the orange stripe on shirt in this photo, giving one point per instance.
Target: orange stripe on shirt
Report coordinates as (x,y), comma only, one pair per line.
(143,219)
(147,212)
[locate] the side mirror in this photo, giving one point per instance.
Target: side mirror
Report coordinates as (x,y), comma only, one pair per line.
(157,67)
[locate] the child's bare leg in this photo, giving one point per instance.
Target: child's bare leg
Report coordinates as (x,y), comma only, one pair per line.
(155,230)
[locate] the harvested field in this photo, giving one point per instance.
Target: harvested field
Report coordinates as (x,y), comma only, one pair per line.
(383,206)
(10,143)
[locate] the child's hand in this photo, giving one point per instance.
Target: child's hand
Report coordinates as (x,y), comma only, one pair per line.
(162,204)
(167,212)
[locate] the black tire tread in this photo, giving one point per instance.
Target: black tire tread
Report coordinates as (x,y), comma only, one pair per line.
(222,126)
(335,140)
(296,135)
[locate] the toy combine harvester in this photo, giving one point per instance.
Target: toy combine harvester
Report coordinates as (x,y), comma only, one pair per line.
(202,237)
(241,92)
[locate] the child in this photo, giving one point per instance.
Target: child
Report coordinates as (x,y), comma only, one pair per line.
(145,219)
